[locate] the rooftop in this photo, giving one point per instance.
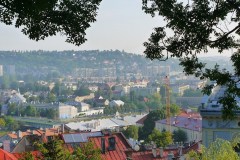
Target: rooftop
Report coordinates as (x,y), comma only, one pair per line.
(189,122)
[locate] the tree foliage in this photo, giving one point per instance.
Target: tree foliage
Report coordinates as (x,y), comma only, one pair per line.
(180,136)
(41,19)
(53,150)
(194,28)
(218,150)
(149,123)
(131,132)
(87,152)
(161,139)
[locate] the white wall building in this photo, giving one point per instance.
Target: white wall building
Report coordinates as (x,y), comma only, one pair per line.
(66,111)
(84,107)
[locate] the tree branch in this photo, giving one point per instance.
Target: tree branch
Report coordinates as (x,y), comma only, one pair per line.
(225,35)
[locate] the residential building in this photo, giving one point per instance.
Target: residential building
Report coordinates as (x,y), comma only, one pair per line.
(84,107)
(213,125)
(179,89)
(17,98)
(116,103)
(66,111)
(116,123)
(101,102)
(191,123)
(82,98)
(9,141)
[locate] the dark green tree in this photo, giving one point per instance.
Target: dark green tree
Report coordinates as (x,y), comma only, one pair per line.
(197,28)
(30,110)
(12,109)
(82,91)
(41,19)
(180,136)
(149,123)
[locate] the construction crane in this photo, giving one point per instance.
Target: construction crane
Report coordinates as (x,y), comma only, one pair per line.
(167,95)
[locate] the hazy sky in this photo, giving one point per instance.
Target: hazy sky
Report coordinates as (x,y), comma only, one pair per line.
(121,24)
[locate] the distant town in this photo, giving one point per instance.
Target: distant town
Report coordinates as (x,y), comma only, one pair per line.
(116,100)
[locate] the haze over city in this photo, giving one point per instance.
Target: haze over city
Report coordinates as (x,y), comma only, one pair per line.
(120,25)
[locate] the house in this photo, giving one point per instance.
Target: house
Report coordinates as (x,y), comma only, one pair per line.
(116,103)
(191,123)
(9,141)
(84,107)
(93,88)
(17,98)
(101,102)
(179,89)
(112,145)
(82,98)
(213,126)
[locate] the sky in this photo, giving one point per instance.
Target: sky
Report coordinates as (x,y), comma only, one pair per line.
(121,24)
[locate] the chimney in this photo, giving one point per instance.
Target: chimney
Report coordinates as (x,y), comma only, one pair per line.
(19,134)
(103,146)
(161,152)
(154,152)
(43,136)
(180,150)
(62,128)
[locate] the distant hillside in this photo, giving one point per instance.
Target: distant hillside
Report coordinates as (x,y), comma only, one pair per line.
(66,62)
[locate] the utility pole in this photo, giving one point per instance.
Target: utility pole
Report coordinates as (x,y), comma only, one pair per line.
(167,91)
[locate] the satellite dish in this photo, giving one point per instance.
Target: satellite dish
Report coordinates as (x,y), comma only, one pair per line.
(136,147)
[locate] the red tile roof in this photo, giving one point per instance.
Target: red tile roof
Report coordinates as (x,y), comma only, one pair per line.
(121,146)
(47,132)
(4,155)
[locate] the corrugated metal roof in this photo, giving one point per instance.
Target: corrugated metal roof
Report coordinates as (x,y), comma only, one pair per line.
(80,137)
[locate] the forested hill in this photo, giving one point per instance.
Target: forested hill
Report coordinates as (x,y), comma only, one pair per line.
(43,62)
(68,60)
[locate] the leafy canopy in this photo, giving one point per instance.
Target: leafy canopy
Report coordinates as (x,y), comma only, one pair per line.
(161,139)
(218,150)
(194,27)
(40,19)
